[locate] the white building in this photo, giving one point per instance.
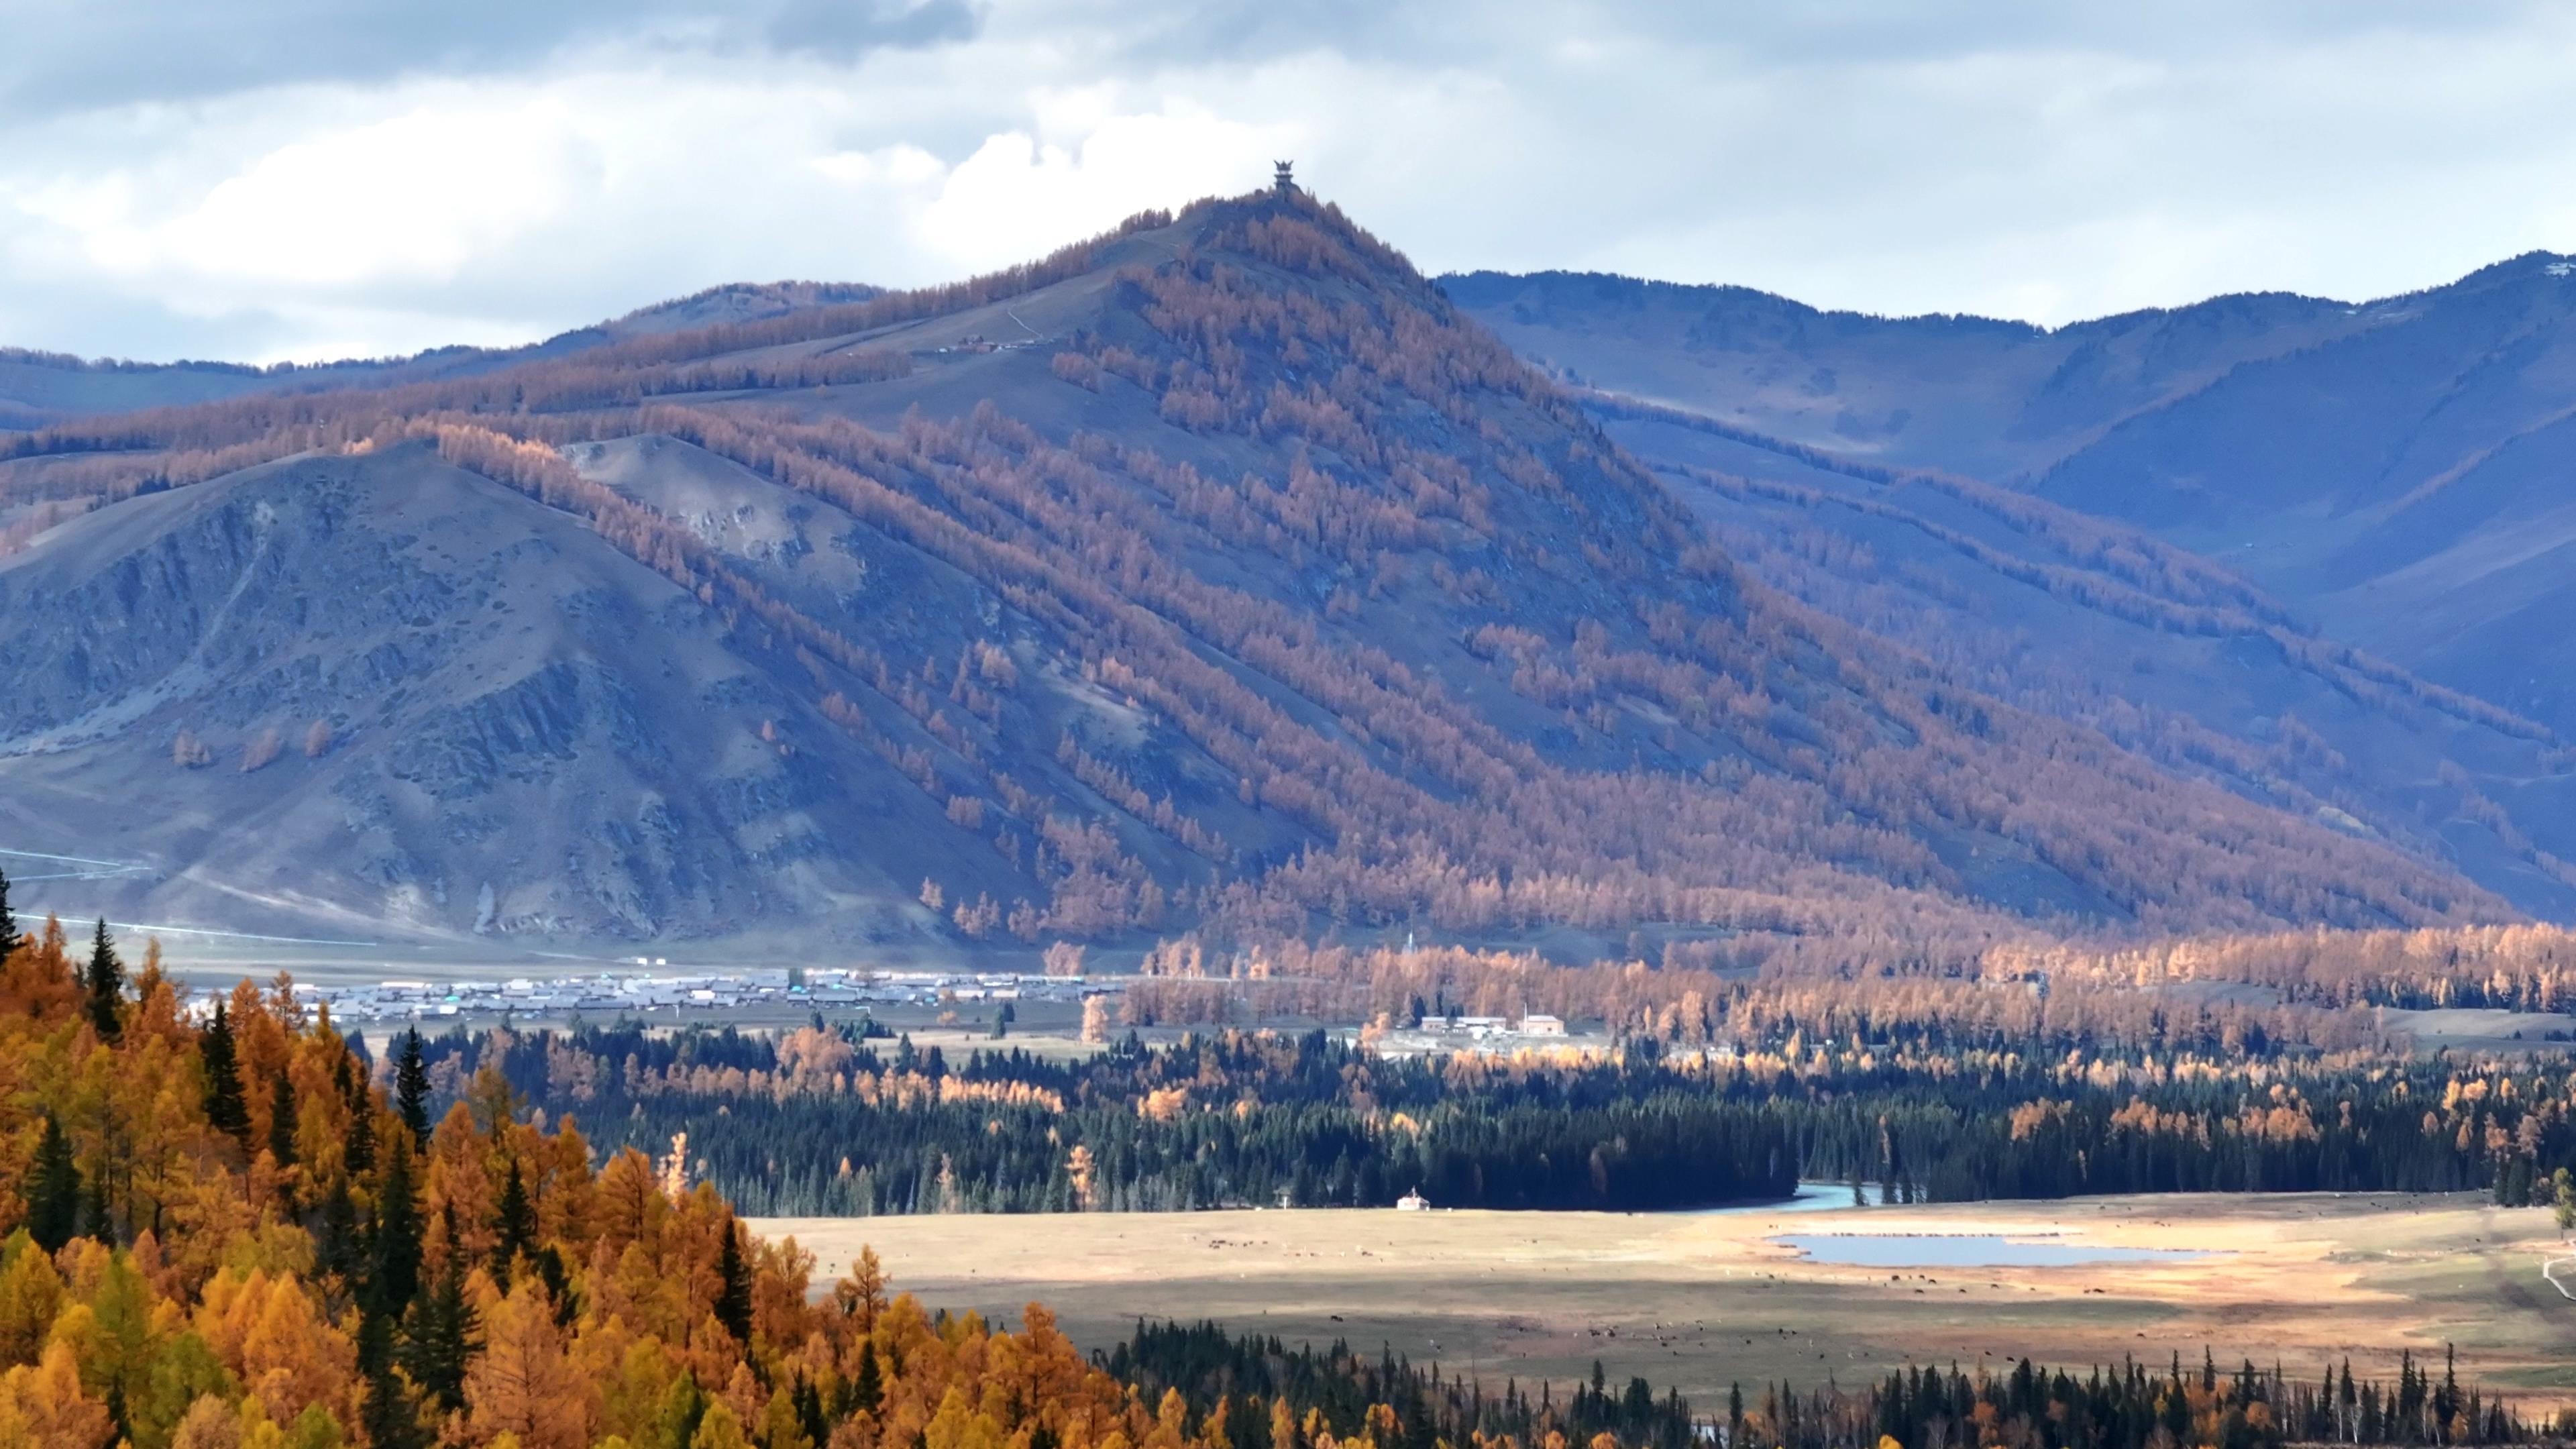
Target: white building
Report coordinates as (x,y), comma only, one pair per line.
(1542,1026)
(1413,1202)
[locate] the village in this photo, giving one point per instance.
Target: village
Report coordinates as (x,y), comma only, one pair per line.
(1472,1034)
(757,993)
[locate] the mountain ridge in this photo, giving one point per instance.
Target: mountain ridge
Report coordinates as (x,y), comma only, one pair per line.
(1216,574)
(41,388)
(2442,790)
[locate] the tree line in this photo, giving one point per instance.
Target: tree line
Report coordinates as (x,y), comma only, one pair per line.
(2126,1406)
(826,1120)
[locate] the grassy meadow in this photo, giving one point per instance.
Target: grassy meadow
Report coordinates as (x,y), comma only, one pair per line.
(1700,1300)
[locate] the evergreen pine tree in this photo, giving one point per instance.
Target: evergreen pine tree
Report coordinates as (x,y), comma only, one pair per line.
(358,1144)
(809,1411)
(337,1247)
(440,1338)
(411,1086)
(393,1270)
(2177,1415)
(281,1118)
(53,1189)
(389,1414)
(226,1111)
(733,1292)
(558,1280)
(98,1216)
(514,1224)
(106,982)
(869,1391)
(9,937)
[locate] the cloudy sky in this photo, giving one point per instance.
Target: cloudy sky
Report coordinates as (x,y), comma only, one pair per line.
(267,179)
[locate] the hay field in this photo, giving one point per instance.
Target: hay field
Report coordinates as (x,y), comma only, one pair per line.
(1701,1300)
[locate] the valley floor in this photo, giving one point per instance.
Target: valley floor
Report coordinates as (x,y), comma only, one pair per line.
(1701,1300)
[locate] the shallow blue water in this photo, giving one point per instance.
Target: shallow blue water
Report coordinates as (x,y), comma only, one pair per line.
(1969,1250)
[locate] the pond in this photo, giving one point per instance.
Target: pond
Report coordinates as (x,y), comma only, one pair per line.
(1970,1250)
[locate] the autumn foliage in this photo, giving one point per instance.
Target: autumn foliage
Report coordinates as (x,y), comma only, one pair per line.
(222,1229)
(1405,639)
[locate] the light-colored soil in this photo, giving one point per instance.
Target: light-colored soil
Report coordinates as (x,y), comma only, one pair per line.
(2476,1029)
(1699,1301)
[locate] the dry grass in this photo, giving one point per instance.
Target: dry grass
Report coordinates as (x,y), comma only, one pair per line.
(1700,1301)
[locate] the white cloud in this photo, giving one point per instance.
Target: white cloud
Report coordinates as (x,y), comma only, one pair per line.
(2024,160)
(1016,197)
(416,197)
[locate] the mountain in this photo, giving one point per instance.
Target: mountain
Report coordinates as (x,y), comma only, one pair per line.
(2055,512)
(41,388)
(1975,395)
(2407,484)
(367,693)
(1219,573)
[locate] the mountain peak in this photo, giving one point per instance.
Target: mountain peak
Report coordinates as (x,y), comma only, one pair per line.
(1214,573)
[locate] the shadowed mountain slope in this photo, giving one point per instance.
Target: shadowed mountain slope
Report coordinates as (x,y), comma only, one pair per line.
(2409,485)
(380,693)
(2364,484)
(1970,394)
(1216,573)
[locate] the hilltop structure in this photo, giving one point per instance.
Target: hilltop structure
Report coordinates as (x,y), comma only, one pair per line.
(1246,585)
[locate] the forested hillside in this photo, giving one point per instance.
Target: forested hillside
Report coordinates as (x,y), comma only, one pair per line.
(2406,485)
(2295,548)
(229,1235)
(1218,572)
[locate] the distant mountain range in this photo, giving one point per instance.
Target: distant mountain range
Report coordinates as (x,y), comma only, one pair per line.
(2396,478)
(1221,574)
(41,388)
